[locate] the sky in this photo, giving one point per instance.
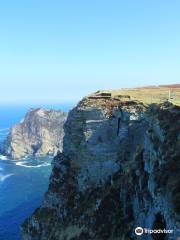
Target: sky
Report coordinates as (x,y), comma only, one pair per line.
(60,50)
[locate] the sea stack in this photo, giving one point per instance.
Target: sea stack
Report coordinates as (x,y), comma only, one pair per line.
(39,133)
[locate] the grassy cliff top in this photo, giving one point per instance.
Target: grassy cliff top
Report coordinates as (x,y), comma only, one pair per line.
(149,94)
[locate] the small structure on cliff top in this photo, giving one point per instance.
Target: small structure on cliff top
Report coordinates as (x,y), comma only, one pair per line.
(100,94)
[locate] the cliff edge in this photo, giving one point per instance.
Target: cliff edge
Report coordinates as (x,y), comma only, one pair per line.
(119,169)
(39,133)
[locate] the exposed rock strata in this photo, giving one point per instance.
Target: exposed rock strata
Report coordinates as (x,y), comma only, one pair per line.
(120,168)
(39,133)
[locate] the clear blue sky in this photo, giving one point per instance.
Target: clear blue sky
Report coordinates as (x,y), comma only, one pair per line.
(55,51)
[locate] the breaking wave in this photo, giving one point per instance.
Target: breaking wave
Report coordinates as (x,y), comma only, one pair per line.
(23,164)
(2,157)
(4,177)
(4,129)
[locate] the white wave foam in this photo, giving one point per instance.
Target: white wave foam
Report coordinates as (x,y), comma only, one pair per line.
(22,164)
(3,134)
(4,177)
(4,129)
(2,157)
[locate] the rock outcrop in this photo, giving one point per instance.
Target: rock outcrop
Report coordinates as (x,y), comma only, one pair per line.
(120,168)
(39,133)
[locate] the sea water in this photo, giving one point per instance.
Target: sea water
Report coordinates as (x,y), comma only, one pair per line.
(22,183)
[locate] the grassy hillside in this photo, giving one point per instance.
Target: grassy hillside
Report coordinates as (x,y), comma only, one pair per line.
(152,94)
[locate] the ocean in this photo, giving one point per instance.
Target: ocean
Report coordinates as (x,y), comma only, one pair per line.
(22,183)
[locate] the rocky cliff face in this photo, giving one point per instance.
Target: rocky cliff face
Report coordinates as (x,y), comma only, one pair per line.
(39,133)
(120,168)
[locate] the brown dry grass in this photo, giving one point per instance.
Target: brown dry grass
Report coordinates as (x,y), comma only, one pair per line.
(152,94)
